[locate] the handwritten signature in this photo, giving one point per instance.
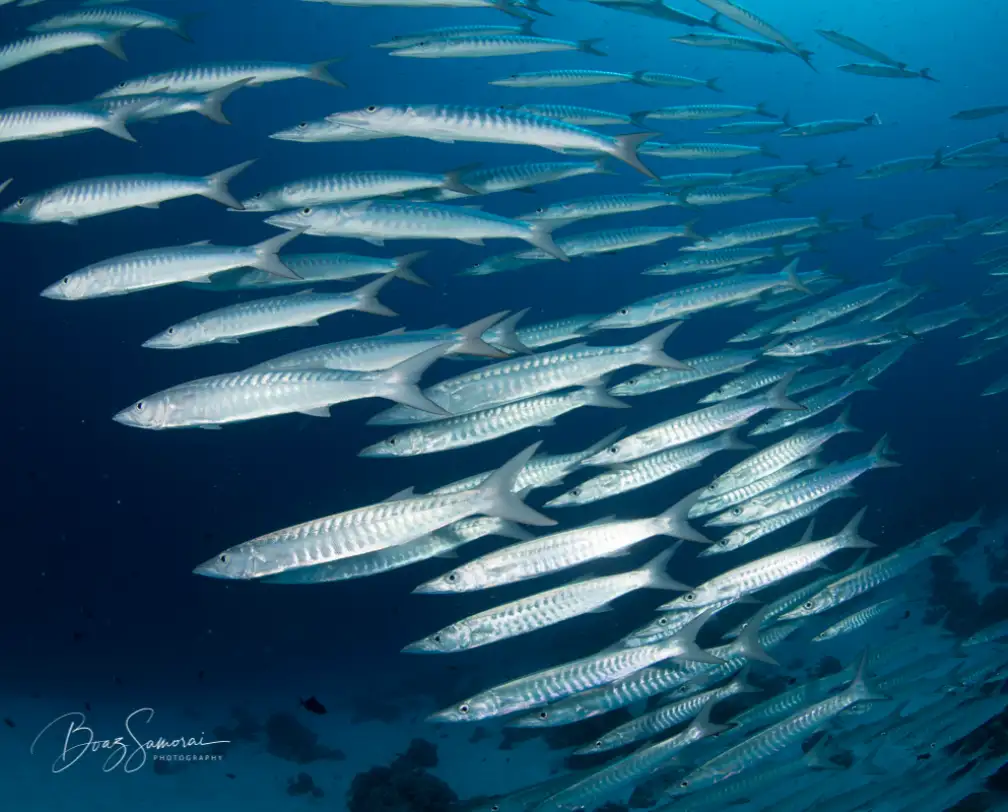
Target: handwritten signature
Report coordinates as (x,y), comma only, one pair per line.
(128,751)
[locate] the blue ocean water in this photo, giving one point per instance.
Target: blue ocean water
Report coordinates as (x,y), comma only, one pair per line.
(104,524)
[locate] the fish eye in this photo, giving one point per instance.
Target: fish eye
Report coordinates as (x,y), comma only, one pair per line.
(392,441)
(372,109)
(170,331)
(19,202)
(437,638)
(257,195)
(689,597)
(495,808)
(302,125)
(663,621)
(66,280)
(451,577)
(540,210)
(598,744)
(121,85)
(576,492)
(683,784)
(736,511)
(463,708)
(543,715)
(808,604)
(223,558)
(306,210)
(625,311)
(140,406)
(614,449)
(723,543)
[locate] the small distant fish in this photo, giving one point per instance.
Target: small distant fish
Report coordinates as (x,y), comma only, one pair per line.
(705,151)
(856,47)
(312,705)
(703,112)
(406,40)
(57,42)
(831,127)
(124,18)
(980,112)
(745,18)
(489,45)
(887,71)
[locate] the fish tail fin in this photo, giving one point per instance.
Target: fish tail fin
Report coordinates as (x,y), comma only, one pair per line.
(717,23)
(925,73)
(748,640)
(689,230)
(851,538)
(674,521)
(525,29)
(767,151)
(625,149)
(656,575)
(506,336)
(500,499)
(400,381)
(510,530)
(267,254)
(541,236)
(602,166)
(595,394)
(367,297)
(714,83)
(507,7)
(701,727)
(777,396)
(112,42)
(684,645)
(115,122)
(587,46)
(180,28)
(879,451)
(860,690)
(212,106)
(653,349)
(217,185)
(741,682)
(731,441)
(404,268)
(793,282)
(939,159)
(471,337)
(637,117)
(319,71)
(806,56)
(537,8)
(843,424)
(453,180)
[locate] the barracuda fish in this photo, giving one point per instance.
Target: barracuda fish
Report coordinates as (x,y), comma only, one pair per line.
(484,30)
(542,471)
(572,114)
(916,163)
(650,78)
(486,45)
(374,527)
(58,42)
(526,798)
(727,42)
(154,106)
(488,424)
(647,470)
(700,368)
(520,378)
(374,353)
(698,297)
(315,268)
(702,112)
(507,6)
(976,113)
(979,354)
(561,551)
(585,208)
(649,682)
(780,736)
(125,18)
(668,624)
(548,333)
(741,16)
(996,388)
(760,330)
(378,220)
(830,127)
(657,722)
(914,227)
(347,186)
(770,569)
(814,405)
(778,456)
(891,303)
(691,180)
(816,378)
(519,177)
(858,620)
(545,609)
(704,151)
(694,426)
(729,194)
(325,131)
(782,173)
(752,382)
(616,777)
(239,396)
(915,254)
(887,71)
(723,258)
(750,127)
(748,533)
(607,241)
(859,48)
(215,75)
(757,232)
(658,9)
(158,267)
(440,544)
(840,305)
(749,490)
(573,677)
(54,121)
(227,325)
(829,339)
(450,123)
(798,492)
(78,200)
(564,78)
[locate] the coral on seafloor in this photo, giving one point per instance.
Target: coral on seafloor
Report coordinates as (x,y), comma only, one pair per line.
(403,786)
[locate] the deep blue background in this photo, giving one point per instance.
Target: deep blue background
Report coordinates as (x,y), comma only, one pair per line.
(102,524)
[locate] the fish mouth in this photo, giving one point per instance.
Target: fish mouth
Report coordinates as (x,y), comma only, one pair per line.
(420,647)
(53,292)
(281,221)
(125,417)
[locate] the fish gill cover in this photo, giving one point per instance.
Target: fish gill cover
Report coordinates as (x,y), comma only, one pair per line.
(707,473)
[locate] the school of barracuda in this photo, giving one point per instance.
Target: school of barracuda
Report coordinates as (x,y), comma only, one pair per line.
(891,731)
